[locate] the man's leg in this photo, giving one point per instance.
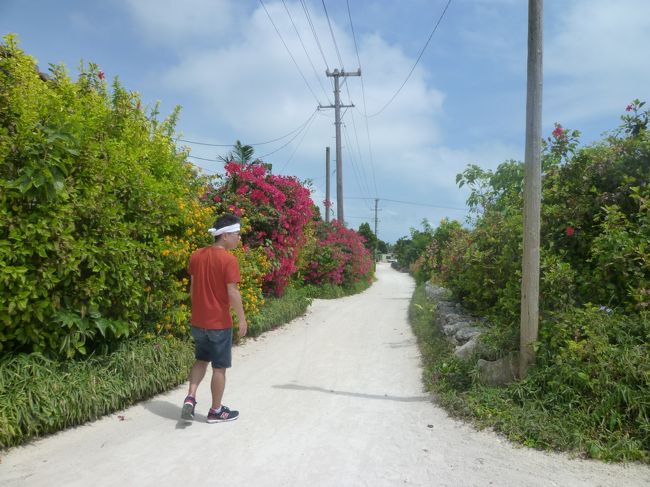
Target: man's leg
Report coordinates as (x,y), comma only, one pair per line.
(197,372)
(218,385)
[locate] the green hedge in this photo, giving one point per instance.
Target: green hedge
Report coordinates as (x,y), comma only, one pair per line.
(42,396)
(98,212)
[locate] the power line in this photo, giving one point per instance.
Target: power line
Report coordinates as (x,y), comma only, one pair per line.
(363,94)
(338,53)
(305,49)
(297,146)
(300,129)
(413,203)
(256,143)
(291,55)
(355,169)
(416,62)
(203,158)
(313,30)
(290,140)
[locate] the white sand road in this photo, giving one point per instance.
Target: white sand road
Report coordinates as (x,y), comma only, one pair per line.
(335,398)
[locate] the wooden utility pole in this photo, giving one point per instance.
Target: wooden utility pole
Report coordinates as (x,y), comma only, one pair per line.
(328,204)
(532,190)
(336,74)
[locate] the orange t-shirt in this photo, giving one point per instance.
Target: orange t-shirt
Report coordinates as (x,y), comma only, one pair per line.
(212,269)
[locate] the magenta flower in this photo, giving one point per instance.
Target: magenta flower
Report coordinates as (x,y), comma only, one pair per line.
(558,132)
(629,108)
(101,75)
(569,231)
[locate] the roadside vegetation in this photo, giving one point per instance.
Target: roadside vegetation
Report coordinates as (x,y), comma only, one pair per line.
(589,392)
(100,210)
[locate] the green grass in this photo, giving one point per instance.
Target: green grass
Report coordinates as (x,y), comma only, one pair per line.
(278,311)
(330,291)
(42,396)
(532,412)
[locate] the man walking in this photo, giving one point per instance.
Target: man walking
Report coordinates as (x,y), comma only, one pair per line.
(214,274)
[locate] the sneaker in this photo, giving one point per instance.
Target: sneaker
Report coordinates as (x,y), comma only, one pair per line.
(222,416)
(188,408)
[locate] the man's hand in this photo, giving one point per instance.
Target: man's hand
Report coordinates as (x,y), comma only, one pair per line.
(243,328)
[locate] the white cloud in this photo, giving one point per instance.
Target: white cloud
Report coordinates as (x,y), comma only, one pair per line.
(596,56)
(175,23)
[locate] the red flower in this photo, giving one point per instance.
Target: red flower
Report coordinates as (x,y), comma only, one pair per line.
(558,132)
(629,108)
(569,231)
(101,75)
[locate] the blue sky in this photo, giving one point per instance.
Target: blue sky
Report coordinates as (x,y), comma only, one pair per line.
(224,64)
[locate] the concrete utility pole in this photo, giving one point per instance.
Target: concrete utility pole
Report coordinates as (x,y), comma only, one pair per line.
(336,74)
(376,237)
(328,204)
(532,190)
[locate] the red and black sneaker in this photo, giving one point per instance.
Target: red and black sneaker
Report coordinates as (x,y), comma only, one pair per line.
(188,408)
(222,416)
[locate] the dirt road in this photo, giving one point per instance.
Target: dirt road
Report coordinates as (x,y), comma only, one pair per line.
(333,399)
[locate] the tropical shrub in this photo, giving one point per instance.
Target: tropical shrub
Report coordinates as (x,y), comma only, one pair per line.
(98,212)
(407,250)
(336,255)
(277,208)
(595,230)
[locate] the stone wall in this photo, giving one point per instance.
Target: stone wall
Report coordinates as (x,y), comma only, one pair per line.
(464,332)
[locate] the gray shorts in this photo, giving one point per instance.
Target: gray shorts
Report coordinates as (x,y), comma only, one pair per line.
(213,346)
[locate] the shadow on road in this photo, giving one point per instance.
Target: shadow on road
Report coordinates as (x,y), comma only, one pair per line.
(167,410)
(411,342)
(384,397)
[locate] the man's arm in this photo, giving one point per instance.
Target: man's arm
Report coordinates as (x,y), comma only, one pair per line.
(236,303)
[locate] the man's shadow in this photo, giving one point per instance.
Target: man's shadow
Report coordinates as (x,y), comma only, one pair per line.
(170,411)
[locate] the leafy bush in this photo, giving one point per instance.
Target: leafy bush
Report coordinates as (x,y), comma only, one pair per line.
(592,365)
(595,231)
(98,212)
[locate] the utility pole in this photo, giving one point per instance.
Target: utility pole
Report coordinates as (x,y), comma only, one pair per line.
(327,185)
(532,190)
(376,237)
(336,74)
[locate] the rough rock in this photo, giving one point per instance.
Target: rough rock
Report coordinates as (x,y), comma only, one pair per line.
(499,372)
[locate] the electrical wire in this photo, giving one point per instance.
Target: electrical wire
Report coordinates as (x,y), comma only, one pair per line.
(290,140)
(355,169)
(256,143)
(203,158)
(412,203)
(291,55)
(313,30)
(297,146)
(363,94)
(300,129)
(416,62)
(306,53)
(338,53)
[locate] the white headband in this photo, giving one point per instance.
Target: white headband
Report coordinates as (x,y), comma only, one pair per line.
(229,229)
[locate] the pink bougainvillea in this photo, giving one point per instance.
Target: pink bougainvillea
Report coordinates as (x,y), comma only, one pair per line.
(277,209)
(337,256)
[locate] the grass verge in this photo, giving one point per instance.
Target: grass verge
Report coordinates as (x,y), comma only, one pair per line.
(41,396)
(522,411)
